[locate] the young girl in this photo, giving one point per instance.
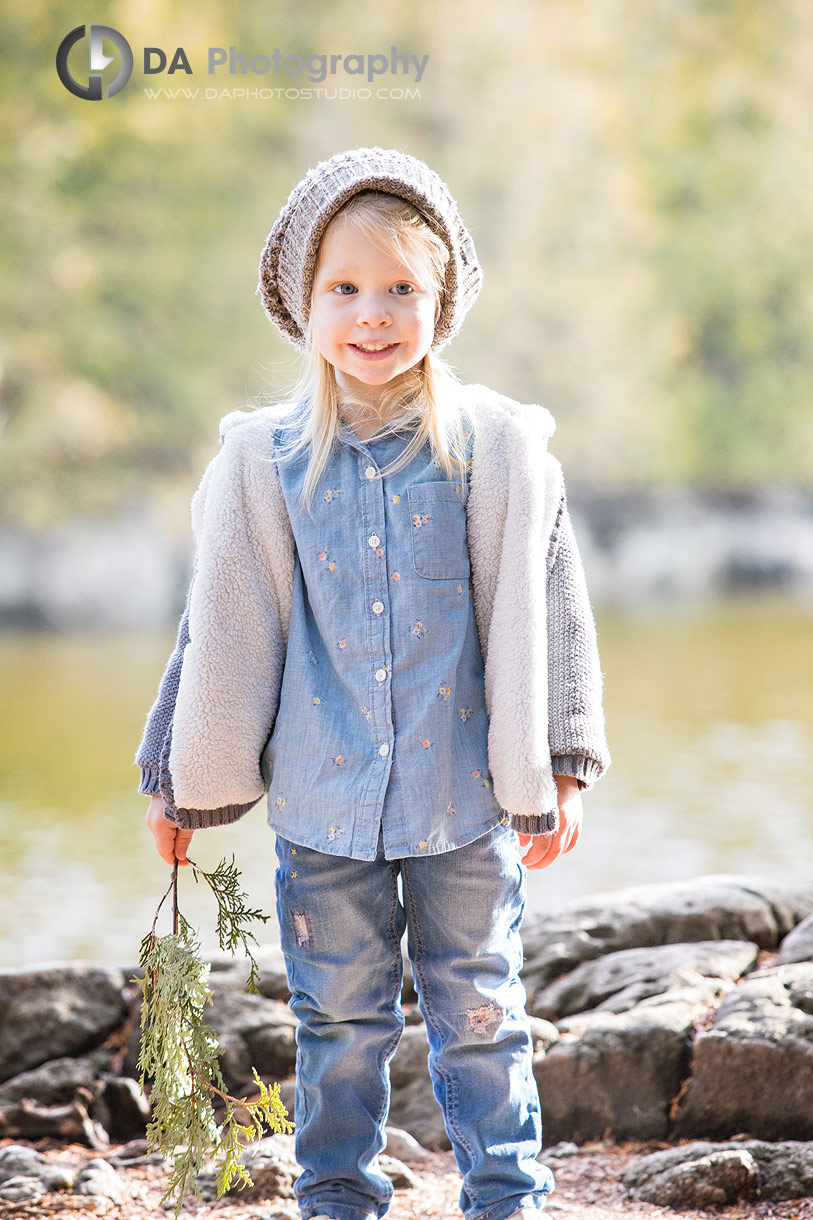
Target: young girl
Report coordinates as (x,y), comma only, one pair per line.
(387,630)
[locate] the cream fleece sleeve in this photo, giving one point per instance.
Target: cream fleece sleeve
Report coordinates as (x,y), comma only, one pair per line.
(576,733)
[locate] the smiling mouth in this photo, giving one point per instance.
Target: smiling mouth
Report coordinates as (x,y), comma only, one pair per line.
(373,349)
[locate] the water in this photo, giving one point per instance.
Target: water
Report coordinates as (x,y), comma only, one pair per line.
(710,721)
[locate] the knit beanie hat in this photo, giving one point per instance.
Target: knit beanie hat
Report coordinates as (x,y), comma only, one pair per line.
(289,258)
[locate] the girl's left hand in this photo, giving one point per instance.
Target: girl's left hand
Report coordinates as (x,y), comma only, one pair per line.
(547,848)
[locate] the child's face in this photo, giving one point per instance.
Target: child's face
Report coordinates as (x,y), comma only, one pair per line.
(363,296)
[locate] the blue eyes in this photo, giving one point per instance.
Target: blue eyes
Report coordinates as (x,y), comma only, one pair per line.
(347,289)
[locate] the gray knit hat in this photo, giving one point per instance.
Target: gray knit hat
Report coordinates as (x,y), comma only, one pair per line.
(289,258)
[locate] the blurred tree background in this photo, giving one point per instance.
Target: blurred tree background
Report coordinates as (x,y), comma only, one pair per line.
(637,175)
(637,178)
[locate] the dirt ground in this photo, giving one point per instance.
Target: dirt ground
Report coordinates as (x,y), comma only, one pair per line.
(588,1187)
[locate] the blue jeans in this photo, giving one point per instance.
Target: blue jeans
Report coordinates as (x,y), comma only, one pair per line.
(341,922)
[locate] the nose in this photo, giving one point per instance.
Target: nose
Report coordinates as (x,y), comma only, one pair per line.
(372,309)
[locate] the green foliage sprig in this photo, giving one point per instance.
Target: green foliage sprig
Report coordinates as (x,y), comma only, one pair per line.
(179,1051)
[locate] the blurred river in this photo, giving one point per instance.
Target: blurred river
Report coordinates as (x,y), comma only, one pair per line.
(710,721)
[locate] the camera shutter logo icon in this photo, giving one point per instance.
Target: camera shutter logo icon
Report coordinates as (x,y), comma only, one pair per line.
(94,91)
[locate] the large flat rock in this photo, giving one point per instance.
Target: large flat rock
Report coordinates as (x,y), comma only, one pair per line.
(702,909)
(620,980)
(752,1069)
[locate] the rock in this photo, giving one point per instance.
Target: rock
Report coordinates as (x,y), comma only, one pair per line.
(72,1123)
(785,1168)
(618,981)
(409,993)
(710,1181)
(54,1012)
(409,1061)
(122,1109)
(73,1099)
(752,1069)
(133,1048)
(99,1178)
(629,975)
(135,1152)
(692,543)
(798,944)
(81,572)
(272,1166)
(708,908)
(17,1161)
(643,1168)
(253,1032)
(565,1149)
(543,1033)
(22,1190)
(413,1107)
(55,1083)
(287,1095)
(404,1146)
(415,1110)
(616,1073)
(397,1172)
(273,981)
(272,1049)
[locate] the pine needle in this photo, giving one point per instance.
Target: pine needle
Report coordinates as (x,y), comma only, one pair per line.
(232,913)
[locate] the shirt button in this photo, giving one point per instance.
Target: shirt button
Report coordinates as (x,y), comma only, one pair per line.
(384,750)
(378,607)
(373,540)
(380,674)
(370,472)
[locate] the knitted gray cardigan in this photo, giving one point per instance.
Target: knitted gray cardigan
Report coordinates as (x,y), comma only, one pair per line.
(218,699)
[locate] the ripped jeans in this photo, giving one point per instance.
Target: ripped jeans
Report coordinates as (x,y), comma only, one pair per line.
(341,922)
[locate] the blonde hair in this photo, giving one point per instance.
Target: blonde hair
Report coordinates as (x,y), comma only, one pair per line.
(424,399)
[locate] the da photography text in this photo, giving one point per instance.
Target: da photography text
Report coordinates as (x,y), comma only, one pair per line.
(85,58)
(315,68)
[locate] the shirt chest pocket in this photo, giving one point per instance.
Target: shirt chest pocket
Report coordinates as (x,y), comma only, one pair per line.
(438,529)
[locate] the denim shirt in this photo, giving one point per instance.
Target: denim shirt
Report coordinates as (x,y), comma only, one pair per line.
(382,723)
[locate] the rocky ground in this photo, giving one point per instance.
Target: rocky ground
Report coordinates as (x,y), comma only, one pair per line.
(590,1186)
(674,1021)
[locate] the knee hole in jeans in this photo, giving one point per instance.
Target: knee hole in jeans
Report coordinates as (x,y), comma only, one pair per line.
(301,924)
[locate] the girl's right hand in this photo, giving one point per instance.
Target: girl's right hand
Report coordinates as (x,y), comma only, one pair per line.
(170,841)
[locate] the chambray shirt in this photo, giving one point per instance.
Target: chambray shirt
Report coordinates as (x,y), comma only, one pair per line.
(382,722)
